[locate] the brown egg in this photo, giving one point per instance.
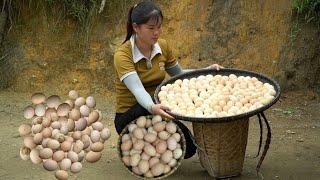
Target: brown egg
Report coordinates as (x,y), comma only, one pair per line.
(65,164)
(135,169)
(50,165)
(34,156)
(70,102)
(37,120)
(143,166)
(54,116)
(105,134)
(176,136)
(93,117)
(56,125)
(38,98)
(86,131)
(97,126)
(58,156)
(40,110)
(37,138)
(153,161)
(59,137)
(25,153)
(28,112)
(53,144)
(145,156)
(46,133)
(135,159)
(138,145)
(126,145)
(81,155)
(97,146)
(164,135)
(138,133)
(74,114)
(71,125)
(161,147)
(53,101)
(76,167)
(86,141)
(45,142)
(24,129)
(157,169)
(73,94)
(167,156)
(95,136)
(150,150)
(45,153)
(171,127)
(49,111)
(166,169)
(172,143)
(73,156)
(126,160)
(78,146)
(84,110)
(64,129)
(61,175)
(66,146)
(81,124)
(90,102)
(141,121)
(28,142)
(36,128)
(79,101)
(159,126)
(148,174)
(63,109)
(156,118)
(93,156)
(76,135)
(46,122)
(150,137)
(125,137)
(148,123)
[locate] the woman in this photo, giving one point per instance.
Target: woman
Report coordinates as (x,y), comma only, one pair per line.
(141,63)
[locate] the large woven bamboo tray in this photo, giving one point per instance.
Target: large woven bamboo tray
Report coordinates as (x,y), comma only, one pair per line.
(226,71)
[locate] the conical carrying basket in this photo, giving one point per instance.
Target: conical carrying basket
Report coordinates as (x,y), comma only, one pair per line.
(222,146)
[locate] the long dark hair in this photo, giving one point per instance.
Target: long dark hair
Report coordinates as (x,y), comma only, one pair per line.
(141,13)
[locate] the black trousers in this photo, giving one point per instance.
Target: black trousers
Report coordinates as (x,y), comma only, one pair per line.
(123,119)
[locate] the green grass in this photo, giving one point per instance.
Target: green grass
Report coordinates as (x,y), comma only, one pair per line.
(308,10)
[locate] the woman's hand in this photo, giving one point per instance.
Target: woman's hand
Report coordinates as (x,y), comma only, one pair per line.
(216,66)
(159,109)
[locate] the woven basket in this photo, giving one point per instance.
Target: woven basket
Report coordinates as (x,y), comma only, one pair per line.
(183,147)
(222,146)
(225,71)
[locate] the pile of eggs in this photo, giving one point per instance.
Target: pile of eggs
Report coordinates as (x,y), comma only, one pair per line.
(61,135)
(216,96)
(151,147)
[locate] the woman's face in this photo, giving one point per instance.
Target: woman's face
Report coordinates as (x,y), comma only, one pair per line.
(149,32)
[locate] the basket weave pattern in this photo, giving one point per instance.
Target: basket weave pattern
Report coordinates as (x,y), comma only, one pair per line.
(223,146)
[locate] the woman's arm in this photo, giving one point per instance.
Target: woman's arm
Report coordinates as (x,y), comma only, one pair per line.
(135,86)
(177,69)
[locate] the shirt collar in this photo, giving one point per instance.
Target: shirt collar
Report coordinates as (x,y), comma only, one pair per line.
(137,55)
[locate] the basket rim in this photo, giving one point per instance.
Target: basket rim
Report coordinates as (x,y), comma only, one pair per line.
(225,71)
(183,147)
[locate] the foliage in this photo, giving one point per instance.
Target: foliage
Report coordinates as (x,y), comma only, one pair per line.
(309,10)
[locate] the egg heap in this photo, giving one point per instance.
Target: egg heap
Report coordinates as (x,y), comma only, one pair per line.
(61,135)
(151,147)
(216,96)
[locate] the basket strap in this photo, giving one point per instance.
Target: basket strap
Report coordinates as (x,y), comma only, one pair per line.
(266,146)
(261,133)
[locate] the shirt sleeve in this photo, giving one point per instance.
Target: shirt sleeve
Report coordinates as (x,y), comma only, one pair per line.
(123,64)
(171,60)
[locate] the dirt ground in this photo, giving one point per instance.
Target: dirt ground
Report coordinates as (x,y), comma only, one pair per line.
(294,152)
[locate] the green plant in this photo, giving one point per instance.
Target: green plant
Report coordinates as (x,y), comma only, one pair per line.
(309,10)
